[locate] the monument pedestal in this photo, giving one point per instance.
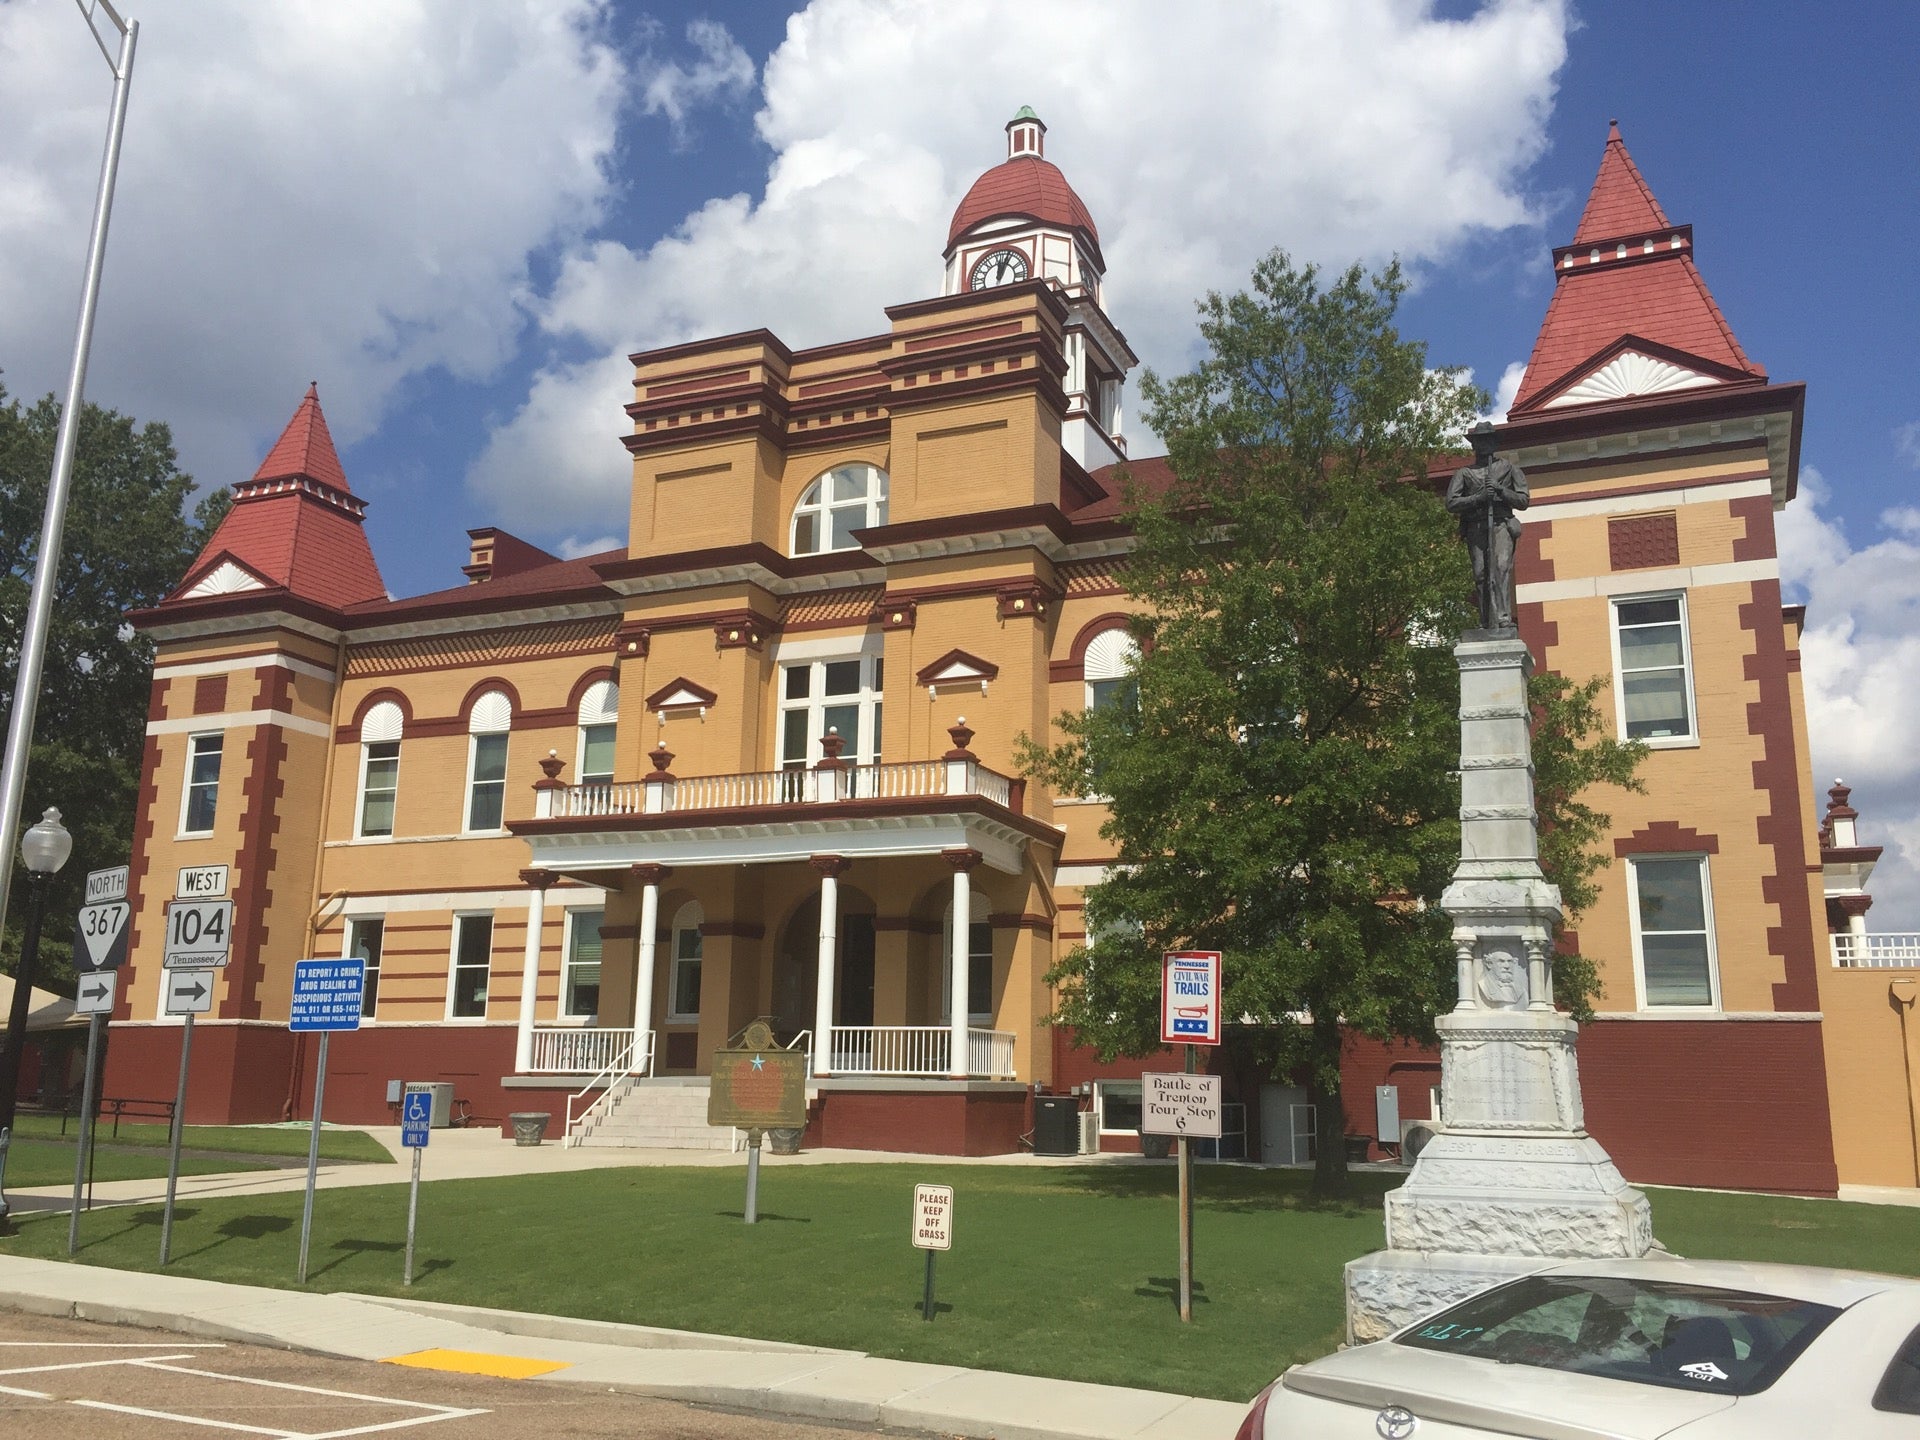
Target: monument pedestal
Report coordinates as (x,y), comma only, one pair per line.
(1512,1179)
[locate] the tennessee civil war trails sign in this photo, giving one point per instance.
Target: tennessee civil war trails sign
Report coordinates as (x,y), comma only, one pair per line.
(758,1086)
(1190,997)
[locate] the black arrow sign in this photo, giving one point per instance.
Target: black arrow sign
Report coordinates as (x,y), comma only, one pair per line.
(195,993)
(96,993)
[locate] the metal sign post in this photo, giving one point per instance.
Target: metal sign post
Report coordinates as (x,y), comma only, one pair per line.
(753,1176)
(416,1129)
(1190,1016)
(757,1087)
(327,996)
(94,999)
(173,1140)
(932,1231)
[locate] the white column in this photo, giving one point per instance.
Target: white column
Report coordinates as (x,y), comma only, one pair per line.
(643,974)
(829,867)
(957,990)
(537,882)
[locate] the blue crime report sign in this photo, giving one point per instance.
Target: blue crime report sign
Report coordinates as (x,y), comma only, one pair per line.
(416,1119)
(327,994)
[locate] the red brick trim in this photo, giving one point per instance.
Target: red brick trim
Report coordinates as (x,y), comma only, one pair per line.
(253,865)
(734,929)
(1530,564)
(1758,541)
(1074,667)
(1540,633)
(481,687)
(1644,542)
(1777,776)
(351,730)
(1666,837)
(586,682)
(209,694)
(907,923)
(1039,924)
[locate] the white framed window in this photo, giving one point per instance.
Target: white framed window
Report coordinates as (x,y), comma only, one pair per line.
(487,762)
(1672,915)
(580,985)
(599,717)
(472,967)
(1108,668)
(1117,1103)
(845,499)
(365,939)
(683,986)
(379,770)
(1653,663)
(200,796)
(979,964)
(841,693)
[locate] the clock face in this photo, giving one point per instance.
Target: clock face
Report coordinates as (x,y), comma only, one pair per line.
(999,267)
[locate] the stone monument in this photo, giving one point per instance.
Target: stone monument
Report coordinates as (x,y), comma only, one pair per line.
(1511,1177)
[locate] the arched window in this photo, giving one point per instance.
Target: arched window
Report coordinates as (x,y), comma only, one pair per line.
(979,963)
(599,714)
(379,768)
(845,499)
(487,761)
(1109,664)
(683,987)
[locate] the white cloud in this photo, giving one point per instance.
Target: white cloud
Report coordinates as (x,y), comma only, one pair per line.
(341,190)
(1861,667)
(573,547)
(1504,392)
(1906,441)
(722,72)
(1199,137)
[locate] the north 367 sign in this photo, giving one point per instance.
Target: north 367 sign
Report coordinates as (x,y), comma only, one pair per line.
(199,934)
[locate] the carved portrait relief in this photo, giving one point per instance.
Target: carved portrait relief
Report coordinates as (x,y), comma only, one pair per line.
(1503,980)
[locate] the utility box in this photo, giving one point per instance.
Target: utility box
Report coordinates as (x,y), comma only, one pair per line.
(1056,1125)
(442,1092)
(1386,1114)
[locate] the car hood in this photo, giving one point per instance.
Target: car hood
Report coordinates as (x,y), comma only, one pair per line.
(1506,1399)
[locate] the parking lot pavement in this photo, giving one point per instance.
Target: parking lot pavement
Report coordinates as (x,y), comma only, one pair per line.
(72,1380)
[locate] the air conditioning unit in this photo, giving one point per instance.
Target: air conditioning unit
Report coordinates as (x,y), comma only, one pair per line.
(1414,1135)
(1089,1132)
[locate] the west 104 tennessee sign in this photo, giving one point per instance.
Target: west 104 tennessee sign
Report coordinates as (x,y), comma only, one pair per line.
(758,1086)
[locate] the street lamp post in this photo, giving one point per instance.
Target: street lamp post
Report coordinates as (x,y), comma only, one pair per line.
(45,848)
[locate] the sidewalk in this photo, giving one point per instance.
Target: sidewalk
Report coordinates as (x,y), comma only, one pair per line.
(765,1376)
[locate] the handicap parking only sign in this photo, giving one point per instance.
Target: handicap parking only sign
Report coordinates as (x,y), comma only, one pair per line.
(416,1119)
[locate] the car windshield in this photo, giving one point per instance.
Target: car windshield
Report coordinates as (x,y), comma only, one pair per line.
(1655,1332)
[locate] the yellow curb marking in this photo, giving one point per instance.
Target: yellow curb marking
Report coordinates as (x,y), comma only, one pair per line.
(469,1362)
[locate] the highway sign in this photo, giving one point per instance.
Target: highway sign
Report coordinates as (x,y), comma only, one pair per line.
(1180,1105)
(100,935)
(199,934)
(933,1217)
(1190,997)
(327,994)
(189,992)
(106,884)
(94,994)
(202,882)
(416,1119)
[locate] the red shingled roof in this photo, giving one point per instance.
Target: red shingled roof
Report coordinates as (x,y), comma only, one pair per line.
(1629,273)
(1026,186)
(296,524)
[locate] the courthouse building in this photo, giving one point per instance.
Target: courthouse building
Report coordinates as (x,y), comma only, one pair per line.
(585,819)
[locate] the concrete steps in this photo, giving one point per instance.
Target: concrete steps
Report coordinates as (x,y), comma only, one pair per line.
(645,1116)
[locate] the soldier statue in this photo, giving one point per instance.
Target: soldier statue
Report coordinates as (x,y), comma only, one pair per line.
(1484,495)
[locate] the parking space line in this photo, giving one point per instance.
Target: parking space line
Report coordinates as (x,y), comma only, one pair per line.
(24,1394)
(84,1365)
(395,1425)
(189,1419)
(303,1389)
(112,1345)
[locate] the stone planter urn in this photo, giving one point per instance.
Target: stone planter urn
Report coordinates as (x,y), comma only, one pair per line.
(1155,1147)
(785,1140)
(529,1126)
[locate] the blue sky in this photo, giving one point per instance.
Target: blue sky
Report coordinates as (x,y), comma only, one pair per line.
(457,218)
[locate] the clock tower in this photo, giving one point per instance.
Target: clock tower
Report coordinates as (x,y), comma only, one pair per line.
(1022,223)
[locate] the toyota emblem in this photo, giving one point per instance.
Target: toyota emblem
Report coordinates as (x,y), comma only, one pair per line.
(1396,1422)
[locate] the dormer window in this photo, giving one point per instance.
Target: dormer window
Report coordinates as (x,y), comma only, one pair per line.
(845,499)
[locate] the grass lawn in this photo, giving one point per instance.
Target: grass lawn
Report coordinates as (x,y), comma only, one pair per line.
(232,1139)
(1067,1272)
(50,1162)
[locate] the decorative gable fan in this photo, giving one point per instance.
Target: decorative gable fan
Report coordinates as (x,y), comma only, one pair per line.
(681,695)
(1630,373)
(957,667)
(226,578)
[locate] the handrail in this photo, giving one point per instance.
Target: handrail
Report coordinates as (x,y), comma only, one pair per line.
(608,1083)
(1876,952)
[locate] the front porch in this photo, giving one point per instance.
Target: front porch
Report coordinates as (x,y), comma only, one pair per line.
(894,1051)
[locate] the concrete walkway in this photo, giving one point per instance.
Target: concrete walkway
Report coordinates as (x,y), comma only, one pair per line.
(787,1380)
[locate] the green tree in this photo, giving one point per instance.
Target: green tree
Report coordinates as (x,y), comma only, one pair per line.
(128,541)
(1281,779)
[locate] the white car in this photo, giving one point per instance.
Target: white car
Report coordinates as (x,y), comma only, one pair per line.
(1627,1350)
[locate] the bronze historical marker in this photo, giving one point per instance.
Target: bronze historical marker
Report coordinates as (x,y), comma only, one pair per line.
(758,1086)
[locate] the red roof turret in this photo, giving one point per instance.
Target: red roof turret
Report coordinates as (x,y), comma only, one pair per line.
(1628,283)
(1024,186)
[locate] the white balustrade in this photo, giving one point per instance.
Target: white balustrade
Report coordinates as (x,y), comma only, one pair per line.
(1876,952)
(580,1050)
(900,780)
(917,1051)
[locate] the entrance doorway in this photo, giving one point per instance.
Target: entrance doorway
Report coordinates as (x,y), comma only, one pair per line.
(796,969)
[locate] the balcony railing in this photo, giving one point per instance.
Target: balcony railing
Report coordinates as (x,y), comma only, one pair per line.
(1876,952)
(917,1052)
(580,1050)
(661,795)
